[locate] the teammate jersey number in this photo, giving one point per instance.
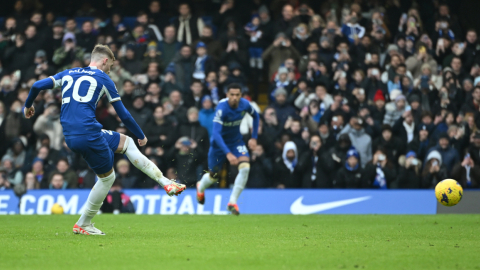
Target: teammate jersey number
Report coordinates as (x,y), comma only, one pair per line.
(76,96)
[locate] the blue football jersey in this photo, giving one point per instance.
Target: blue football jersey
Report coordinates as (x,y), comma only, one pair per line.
(230,119)
(82,88)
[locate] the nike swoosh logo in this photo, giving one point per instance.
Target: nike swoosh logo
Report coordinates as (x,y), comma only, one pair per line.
(298,208)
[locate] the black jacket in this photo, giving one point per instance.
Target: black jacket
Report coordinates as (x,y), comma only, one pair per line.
(261,172)
(306,164)
(370,172)
(349,179)
(282,175)
(154,131)
(197,133)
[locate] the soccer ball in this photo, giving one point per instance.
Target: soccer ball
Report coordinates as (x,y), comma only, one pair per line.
(57,209)
(449,192)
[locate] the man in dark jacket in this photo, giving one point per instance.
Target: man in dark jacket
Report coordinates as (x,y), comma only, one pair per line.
(214,47)
(394,146)
(140,112)
(261,169)
(313,167)
(86,39)
(448,153)
(160,132)
(409,172)
(195,132)
(287,21)
(184,67)
(168,47)
(350,175)
(282,108)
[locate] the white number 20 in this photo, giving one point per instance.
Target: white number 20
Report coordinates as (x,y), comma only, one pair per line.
(242,149)
(75,95)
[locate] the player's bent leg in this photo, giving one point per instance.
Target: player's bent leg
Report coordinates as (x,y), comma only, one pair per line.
(207,180)
(240,182)
(130,149)
(93,204)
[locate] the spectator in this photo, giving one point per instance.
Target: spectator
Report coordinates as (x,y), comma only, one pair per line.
(156,16)
(57,182)
(49,123)
(283,110)
(379,173)
(415,62)
(152,56)
(261,169)
(350,175)
(278,52)
(395,109)
(206,114)
(124,176)
(86,39)
(179,111)
(130,61)
(287,21)
(160,132)
(65,55)
(30,182)
(184,67)
(285,170)
(17,57)
(203,63)
(187,25)
(68,175)
(311,163)
(16,153)
(169,46)
(214,47)
(360,139)
(448,153)
(139,111)
(409,175)
(352,30)
(13,175)
(434,170)
(195,132)
(185,160)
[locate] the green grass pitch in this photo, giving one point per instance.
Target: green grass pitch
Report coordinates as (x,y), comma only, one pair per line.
(244,242)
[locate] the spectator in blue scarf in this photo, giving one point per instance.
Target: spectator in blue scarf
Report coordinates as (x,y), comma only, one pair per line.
(350,175)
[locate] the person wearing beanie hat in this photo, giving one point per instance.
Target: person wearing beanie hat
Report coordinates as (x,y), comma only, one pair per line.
(449,155)
(65,55)
(378,110)
(281,81)
(434,170)
(203,63)
(283,109)
(351,174)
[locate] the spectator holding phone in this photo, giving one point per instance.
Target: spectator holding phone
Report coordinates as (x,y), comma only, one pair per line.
(409,172)
(379,173)
(434,171)
(467,173)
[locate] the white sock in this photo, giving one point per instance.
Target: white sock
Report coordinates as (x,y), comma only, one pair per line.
(205,182)
(95,199)
(240,182)
(259,63)
(143,163)
(252,62)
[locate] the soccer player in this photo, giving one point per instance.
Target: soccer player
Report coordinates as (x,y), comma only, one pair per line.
(226,142)
(82,88)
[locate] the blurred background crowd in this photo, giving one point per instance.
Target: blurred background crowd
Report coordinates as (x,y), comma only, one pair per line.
(352,94)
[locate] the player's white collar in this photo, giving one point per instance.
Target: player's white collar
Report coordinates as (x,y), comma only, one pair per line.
(93,67)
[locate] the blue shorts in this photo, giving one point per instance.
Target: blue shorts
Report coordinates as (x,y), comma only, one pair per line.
(216,157)
(97,149)
(255,52)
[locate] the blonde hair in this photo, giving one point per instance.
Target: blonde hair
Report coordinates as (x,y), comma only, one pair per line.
(102,50)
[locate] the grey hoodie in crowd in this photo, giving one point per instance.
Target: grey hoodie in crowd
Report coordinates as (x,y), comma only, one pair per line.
(361,141)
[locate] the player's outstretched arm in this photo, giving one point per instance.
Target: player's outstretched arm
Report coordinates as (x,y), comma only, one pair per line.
(38,86)
(129,122)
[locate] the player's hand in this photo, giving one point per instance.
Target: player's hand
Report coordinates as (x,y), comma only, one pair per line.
(252,144)
(29,112)
(143,142)
(232,159)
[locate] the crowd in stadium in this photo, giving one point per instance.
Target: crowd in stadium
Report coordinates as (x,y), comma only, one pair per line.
(352,96)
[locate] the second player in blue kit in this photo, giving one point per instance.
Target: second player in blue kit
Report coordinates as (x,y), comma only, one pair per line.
(227,143)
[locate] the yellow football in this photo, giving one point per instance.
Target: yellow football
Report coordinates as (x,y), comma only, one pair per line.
(57,209)
(449,192)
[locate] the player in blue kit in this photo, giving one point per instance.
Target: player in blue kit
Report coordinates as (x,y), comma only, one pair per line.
(227,143)
(82,88)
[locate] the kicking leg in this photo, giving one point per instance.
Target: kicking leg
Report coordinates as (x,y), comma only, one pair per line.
(128,147)
(239,185)
(93,204)
(207,180)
